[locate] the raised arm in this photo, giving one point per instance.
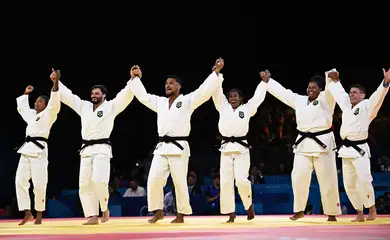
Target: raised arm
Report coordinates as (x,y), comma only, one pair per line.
(327,95)
(284,95)
(122,99)
(337,91)
(257,98)
(54,105)
(23,105)
(139,90)
(219,97)
(208,87)
(376,99)
(70,99)
(66,95)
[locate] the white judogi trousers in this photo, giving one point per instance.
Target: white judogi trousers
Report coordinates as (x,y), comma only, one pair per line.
(358,182)
(177,166)
(93,183)
(34,168)
(235,166)
(326,171)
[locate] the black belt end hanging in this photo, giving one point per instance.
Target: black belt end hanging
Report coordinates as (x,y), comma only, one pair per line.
(312,136)
(354,145)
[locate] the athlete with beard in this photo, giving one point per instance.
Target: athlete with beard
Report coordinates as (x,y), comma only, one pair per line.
(97,122)
(173,122)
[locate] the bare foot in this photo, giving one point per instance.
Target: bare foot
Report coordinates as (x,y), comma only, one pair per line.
(332,218)
(38,220)
(297,215)
(251,213)
(157,216)
(179,218)
(93,221)
(359,217)
(372,214)
(27,217)
(232,216)
(106,216)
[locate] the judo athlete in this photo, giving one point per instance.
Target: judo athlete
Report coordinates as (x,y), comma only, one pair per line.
(233,125)
(97,122)
(33,161)
(315,144)
(358,113)
(172,153)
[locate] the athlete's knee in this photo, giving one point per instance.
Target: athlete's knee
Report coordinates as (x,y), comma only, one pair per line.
(39,190)
(156,181)
(100,182)
(40,185)
(348,184)
(19,182)
(226,181)
(364,178)
(84,186)
(242,182)
(298,175)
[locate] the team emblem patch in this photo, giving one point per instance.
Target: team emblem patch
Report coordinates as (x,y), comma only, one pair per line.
(356,111)
(315,103)
(100,113)
(178,105)
(241,114)
(37,119)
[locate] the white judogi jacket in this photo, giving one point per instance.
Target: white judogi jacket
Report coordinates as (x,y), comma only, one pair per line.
(38,124)
(97,124)
(356,120)
(312,116)
(175,121)
(235,122)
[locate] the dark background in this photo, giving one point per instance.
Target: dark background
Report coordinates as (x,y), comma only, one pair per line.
(98,44)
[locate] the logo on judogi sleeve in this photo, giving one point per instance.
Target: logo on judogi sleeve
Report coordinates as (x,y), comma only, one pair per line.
(100,113)
(356,111)
(178,105)
(37,119)
(241,114)
(315,103)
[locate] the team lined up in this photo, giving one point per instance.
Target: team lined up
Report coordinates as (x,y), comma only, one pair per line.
(314,148)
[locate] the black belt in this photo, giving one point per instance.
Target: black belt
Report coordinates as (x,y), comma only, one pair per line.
(87,143)
(168,139)
(33,140)
(354,144)
(239,140)
(312,136)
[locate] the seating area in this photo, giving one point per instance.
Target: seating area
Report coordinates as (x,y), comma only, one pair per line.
(274,197)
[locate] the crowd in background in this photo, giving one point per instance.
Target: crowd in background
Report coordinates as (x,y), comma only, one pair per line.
(272,139)
(272,146)
(272,152)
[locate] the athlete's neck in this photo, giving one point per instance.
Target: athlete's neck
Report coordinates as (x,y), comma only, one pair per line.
(173,97)
(96,105)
